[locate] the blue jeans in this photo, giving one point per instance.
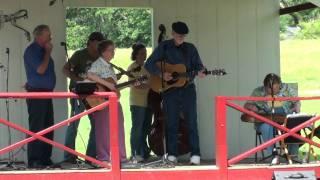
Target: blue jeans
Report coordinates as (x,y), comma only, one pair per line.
(267,134)
(141,123)
(70,139)
(181,100)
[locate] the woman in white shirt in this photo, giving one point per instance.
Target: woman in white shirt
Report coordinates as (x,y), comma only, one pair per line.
(102,73)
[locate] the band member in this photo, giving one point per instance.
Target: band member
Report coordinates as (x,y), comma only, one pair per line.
(176,51)
(41,77)
(141,115)
(272,86)
(102,72)
(76,69)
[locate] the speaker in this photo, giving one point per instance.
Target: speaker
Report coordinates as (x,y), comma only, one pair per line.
(287,175)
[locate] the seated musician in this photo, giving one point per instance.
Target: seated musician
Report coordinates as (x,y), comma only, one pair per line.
(102,73)
(280,107)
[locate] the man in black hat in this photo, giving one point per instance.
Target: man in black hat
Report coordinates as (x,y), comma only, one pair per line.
(182,99)
(76,69)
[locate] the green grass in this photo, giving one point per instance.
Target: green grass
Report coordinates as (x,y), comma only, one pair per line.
(122,59)
(300,63)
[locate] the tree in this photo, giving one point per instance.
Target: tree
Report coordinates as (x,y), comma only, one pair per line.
(125,26)
(301,19)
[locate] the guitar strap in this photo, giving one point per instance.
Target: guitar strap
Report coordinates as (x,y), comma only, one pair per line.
(184,52)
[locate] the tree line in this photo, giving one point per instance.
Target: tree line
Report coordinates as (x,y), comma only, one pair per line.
(125,26)
(307,21)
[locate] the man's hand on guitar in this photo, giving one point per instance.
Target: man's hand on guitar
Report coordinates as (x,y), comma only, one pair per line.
(202,74)
(251,107)
(167,76)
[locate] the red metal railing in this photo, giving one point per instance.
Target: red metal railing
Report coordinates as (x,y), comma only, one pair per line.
(288,132)
(112,103)
(224,170)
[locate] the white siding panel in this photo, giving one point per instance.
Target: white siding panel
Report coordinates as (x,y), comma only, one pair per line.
(86,3)
(247,78)
(228,59)
(162,14)
(267,38)
(131,3)
(207,88)
(12,41)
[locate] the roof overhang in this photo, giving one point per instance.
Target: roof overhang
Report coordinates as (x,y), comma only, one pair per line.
(300,7)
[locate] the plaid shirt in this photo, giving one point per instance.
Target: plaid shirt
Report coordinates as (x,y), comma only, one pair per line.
(286,91)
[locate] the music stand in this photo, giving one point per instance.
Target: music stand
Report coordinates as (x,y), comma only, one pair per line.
(291,122)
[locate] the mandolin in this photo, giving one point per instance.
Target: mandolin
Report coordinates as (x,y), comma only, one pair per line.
(179,74)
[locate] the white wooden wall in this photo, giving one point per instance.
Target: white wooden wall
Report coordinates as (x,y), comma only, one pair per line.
(241,36)
(39,13)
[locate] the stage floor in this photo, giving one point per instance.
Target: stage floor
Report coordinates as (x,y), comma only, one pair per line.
(150,166)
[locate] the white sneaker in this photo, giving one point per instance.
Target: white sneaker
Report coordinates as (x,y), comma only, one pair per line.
(172,159)
(275,160)
(195,160)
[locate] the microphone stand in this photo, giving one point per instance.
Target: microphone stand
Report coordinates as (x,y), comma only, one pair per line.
(10,162)
(275,155)
(163,162)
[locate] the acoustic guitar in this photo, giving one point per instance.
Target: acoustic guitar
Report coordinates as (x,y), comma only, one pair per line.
(179,76)
(91,102)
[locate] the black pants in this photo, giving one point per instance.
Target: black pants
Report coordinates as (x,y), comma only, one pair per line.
(40,117)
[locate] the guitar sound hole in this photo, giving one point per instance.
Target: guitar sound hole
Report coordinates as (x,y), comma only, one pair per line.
(172,82)
(175,75)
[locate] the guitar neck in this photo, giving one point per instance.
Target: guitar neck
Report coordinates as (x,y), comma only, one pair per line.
(122,85)
(125,84)
(213,72)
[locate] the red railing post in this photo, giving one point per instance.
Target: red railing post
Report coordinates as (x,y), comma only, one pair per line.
(114,137)
(221,138)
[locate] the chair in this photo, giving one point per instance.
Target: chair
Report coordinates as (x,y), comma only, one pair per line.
(258,140)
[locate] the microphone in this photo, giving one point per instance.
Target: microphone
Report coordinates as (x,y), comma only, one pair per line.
(63,44)
(7,51)
(52,2)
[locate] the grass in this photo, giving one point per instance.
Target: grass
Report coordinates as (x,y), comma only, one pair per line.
(299,63)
